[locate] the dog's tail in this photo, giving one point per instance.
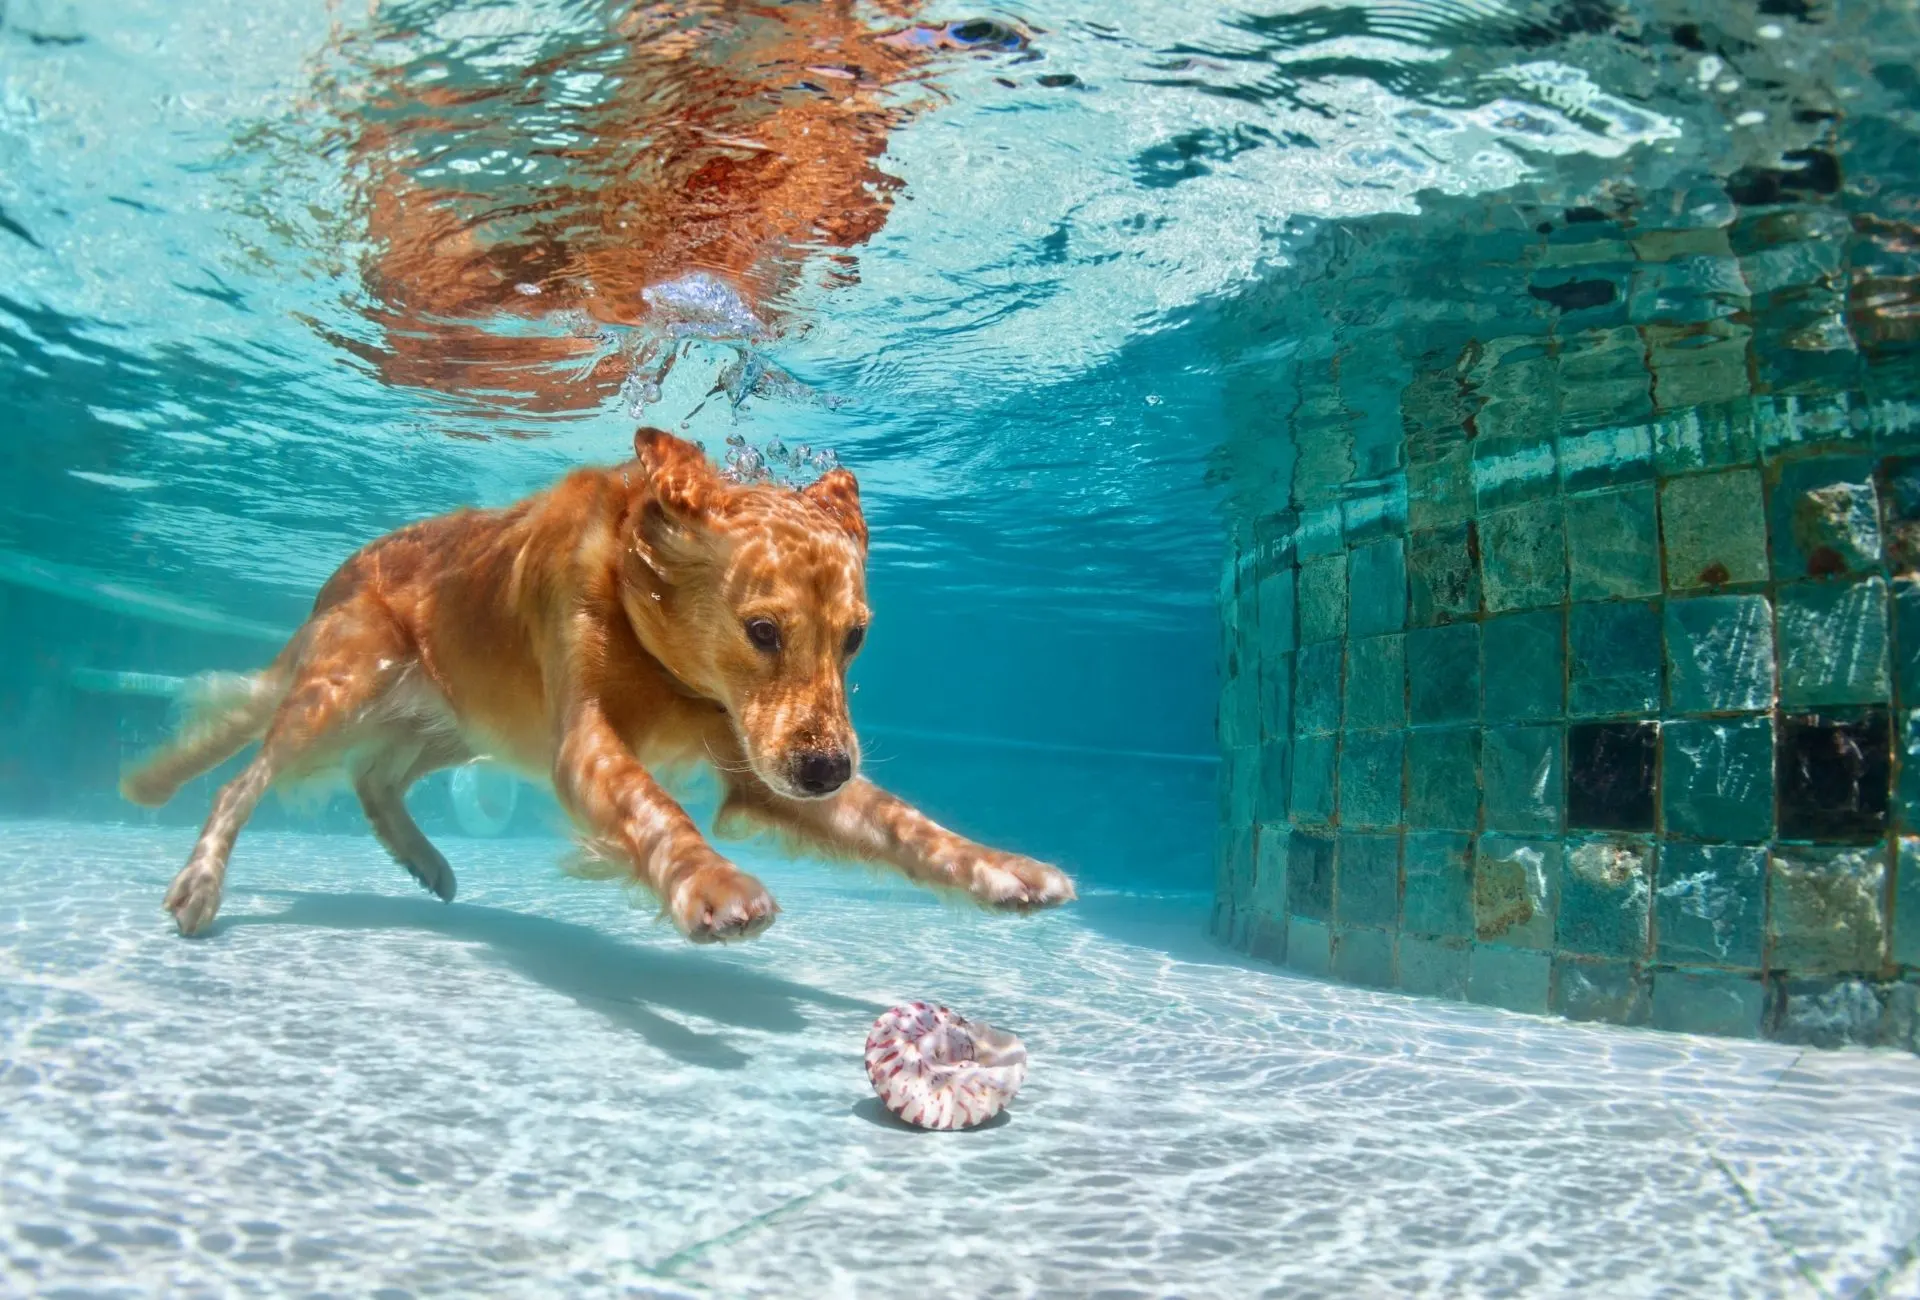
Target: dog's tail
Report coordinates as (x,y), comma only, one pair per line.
(220,714)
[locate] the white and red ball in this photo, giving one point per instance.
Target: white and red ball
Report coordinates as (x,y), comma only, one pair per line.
(936,1069)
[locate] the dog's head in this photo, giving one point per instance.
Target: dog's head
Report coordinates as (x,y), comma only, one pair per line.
(754,595)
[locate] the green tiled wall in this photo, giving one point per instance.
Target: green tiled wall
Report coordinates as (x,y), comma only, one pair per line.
(1537,706)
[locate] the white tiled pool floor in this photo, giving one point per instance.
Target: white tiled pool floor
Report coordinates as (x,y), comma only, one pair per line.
(352,1089)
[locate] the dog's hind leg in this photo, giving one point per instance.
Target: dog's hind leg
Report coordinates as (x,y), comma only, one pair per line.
(383,797)
(352,656)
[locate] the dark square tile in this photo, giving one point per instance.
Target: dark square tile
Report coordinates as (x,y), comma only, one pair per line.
(1443,578)
(1605,894)
(1833,771)
(1833,643)
(1522,775)
(1363,957)
(1323,599)
(1316,688)
(1310,876)
(1826,913)
(1371,777)
(1715,529)
(1443,778)
(1377,588)
(1443,673)
(1900,499)
(1616,659)
(1906,641)
(1826,517)
(1710,906)
(1720,654)
(1313,779)
(1611,992)
(1516,885)
(1829,1011)
(1523,556)
(1439,884)
(1525,666)
(1610,768)
(1377,683)
(1613,543)
(1367,880)
(1717,779)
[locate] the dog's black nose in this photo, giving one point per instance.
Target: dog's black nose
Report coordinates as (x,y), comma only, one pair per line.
(822,773)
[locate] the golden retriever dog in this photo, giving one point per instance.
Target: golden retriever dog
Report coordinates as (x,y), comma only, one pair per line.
(626,621)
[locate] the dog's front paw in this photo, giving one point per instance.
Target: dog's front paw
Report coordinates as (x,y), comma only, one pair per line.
(1010,883)
(717,902)
(194,898)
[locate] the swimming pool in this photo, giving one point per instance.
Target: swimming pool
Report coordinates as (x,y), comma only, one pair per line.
(1411,505)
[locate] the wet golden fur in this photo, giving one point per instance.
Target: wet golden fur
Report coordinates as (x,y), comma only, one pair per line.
(593,635)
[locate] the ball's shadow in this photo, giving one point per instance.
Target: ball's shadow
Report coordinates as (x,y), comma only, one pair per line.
(874,1111)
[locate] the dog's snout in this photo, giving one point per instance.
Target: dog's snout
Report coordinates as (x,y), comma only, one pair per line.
(822,771)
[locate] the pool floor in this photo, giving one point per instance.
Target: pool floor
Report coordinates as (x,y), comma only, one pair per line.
(352,1089)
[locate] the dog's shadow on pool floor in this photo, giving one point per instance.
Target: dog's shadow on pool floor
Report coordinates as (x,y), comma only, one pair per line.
(628,983)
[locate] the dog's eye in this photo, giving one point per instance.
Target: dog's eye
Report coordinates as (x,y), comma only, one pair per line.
(855,637)
(763,633)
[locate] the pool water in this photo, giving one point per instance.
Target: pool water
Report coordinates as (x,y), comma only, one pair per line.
(1422,496)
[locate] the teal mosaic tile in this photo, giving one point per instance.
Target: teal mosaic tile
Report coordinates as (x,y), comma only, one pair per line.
(1309,947)
(1274,599)
(1435,967)
(1276,781)
(1316,691)
(1440,490)
(1310,876)
(1708,1002)
(1714,527)
(1513,978)
(1707,437)
(1323,598)
(1443,673)
(1377,588)
(1611,992)
(1826,911)
(1906,641)
(1907,784)
(1443,778)
(1266,938)
(1710,904)
(1833,642)
(1826,1011)
(1377,683)
(1364,957)
(1367,880)
(1523,557)
(1523,776)
(1516,886)
(1276,696)
(1718,780)
(1439,884)
(1370,777)
(1525,666)
(1613,544)
(1719,654)
(1905,946)
(1268,894)
(1606,889)
(1313,779)
(1900,497)
(1443,580)
(1616,659)
(1826,517)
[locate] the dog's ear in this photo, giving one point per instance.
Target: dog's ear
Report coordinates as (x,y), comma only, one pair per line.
(838,494)
(677,471)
